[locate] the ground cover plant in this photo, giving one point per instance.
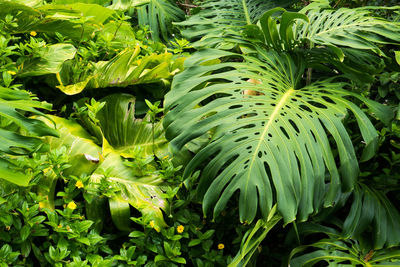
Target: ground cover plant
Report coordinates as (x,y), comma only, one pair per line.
(199,133)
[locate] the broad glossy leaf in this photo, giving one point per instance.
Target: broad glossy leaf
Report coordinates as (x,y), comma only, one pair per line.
(27,16)
(143,193)
(14,105)
(124,132)
(77,21)
(127,69)
(95,14)
(98,2)
(30,3)
(8,172)
(272,145)
(80,146)
(48,60)
(127,4)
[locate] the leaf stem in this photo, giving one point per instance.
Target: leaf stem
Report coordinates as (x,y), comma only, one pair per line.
(246,12)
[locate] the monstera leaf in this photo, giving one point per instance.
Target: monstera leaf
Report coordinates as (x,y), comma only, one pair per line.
(221,19)
(356,28)
(276,144)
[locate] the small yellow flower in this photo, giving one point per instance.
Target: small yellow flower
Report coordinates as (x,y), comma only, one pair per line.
(59,226)
(79,184)
(180,229)
(8,228)
(221,246)
(33,33)
(68,228)
(165,157)
(41,205)
(152,224)
(71,205)
(11,72)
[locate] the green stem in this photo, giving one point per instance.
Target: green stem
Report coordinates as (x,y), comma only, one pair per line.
(253,238)
(246,12)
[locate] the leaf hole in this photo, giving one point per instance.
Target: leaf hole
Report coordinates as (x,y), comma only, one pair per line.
(284,132)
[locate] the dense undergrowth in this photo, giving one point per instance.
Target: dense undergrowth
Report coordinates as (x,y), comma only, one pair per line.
(204,133)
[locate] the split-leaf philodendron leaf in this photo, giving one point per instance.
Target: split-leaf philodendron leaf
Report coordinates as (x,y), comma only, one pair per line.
(275,145)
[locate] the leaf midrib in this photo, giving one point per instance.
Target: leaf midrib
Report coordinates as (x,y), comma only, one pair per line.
(271,119)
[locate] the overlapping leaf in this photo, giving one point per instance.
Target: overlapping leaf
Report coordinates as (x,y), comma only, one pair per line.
(48,60)
(273,146)
(19,133)
(141,190)
(355,28)
(220,19)
(336,252)
(124,132)
(15,108)
(159,15)
(127,68)
(77,21)
(373,207)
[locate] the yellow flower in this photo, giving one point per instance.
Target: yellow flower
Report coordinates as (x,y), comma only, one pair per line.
(68,228)
(8,228)
(71,205)
(221,246)
(166,157)
(33,33)
(79,184)
(11,72)
(152,224)
(59,226)
(180,229)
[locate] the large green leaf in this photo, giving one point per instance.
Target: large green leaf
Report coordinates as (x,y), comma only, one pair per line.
(127,68)
(127,4)
(124,132)
(143,192)
(81,148)
(279,145)
(48,60)
(77,21)
(30,3)
(9,172)
(15,108)
(19,133)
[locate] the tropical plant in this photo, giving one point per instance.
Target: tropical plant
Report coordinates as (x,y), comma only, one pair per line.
(278,119)
(278,132)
